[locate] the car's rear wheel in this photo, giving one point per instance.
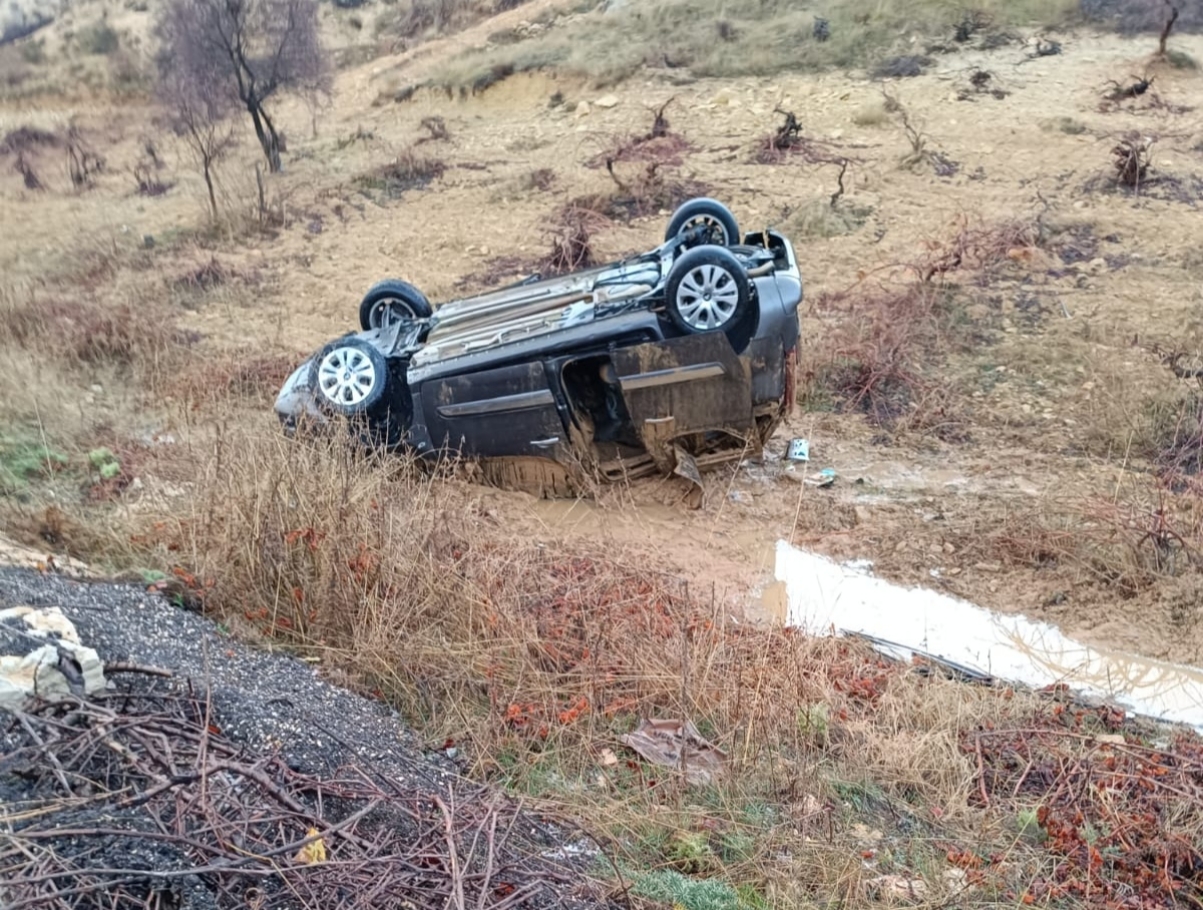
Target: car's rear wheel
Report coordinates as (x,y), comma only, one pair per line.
(708,220)
(391,301)
(707,291)
(350,377)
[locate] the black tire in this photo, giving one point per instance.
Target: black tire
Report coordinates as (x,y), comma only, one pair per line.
(705,212)
(392,301)
(350,377)
(707,291)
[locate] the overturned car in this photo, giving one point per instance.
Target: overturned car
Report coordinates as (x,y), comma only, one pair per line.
(677,359)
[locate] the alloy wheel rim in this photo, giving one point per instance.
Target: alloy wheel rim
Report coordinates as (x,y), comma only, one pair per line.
(346,376)
(707,297)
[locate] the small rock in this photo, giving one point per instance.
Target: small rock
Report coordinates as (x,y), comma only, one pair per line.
(582,109)
(148,241)
(607,101)
(96,388)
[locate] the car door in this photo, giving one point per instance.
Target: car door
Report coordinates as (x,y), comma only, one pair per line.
(684,385)
(504,411)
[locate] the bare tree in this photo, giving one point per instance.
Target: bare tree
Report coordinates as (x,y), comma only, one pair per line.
(245,51)
(200,115)
(1170,18)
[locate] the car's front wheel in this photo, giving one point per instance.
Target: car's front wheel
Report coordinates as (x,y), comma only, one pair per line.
(705,221)
(707,291)
(350,377)
(391,301)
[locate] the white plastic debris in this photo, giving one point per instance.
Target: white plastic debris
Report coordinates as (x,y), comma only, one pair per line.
(55,665)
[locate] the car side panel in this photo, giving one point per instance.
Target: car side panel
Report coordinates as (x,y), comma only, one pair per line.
(684,385)
(509,410)
(766,356)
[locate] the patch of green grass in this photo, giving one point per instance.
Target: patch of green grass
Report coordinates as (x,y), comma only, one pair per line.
(812,723)
(725,38)
(864,797)
(679,890)
(690,852)
(105,463)
(23,460)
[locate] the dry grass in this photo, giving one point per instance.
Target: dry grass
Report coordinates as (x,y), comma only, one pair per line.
(531,661)
(890,332)
(408,170)
(737,37)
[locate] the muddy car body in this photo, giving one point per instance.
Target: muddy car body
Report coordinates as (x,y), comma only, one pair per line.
(678,359)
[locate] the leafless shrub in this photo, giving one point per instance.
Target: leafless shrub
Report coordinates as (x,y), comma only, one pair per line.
(23,167)
(407,171)
(980,247)
(649,189)
(873,362)
(83,162)
(920,156)
(877,360)
(146,172)
(204,277)
(147,181)
(572,239)
(1131,160)
(437,128)
(971,22)
(658,144)
(1125,542)
(241,55)
(789,141)
(541,179)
